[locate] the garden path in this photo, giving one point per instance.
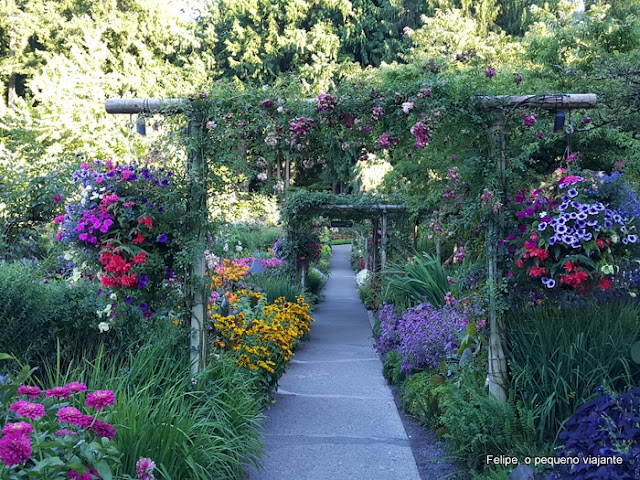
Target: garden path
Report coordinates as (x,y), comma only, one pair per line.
(335,417)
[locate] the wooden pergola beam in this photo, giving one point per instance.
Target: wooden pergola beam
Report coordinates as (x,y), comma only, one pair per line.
(555,101)
(145,105)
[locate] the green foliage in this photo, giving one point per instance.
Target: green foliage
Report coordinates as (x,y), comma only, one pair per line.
(391,368)
(274,287)
(324,262)
(558,357)
(420,398)
(475,424)
(408,284)
(315,281)
(201,430)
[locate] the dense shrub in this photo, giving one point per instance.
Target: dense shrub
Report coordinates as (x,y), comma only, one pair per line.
(420,397)
(315,281)
(475,424)
(559,357)
(392,368)
(607,426)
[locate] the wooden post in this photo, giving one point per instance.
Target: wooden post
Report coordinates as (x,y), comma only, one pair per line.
(497,361)
(197,175)
(383,246)
(374,259)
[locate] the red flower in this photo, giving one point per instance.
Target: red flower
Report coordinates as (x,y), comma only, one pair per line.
(537,272)
(568,266)
(139,239)
(129,281)
(574,279)
(520,263)
(605,284)
(600,243)
(140,258)
(147,221)
(109,281)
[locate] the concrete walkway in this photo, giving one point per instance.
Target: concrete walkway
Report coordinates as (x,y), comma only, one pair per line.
(334,416)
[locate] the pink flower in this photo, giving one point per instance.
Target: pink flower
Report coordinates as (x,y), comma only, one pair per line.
(75,387)
(58,392)
(17,428)
(58,219)
(104,429)
(71,415)
(144,469)
(29,390)
(490,72)
(29,410)
(529,119)
(63,432)
(73,475)
(57,198)
(569,180)
(100,399)
(15,449)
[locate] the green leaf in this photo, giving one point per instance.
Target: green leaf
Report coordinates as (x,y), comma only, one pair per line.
(438,380)
(471,328)
(6,356)
(635,352)
(104,470)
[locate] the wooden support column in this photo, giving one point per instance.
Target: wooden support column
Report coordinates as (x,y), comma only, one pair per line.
(374,258)
(497,361)
(197,175)
(383,246)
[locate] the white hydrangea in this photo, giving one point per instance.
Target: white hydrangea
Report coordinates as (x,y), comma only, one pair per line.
(362,277)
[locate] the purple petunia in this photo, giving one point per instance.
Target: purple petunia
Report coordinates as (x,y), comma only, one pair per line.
(162,238)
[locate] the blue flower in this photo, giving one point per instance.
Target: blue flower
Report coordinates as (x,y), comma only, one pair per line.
(542,226)
(144,306)
(162,238)
(142,281)
(572,192)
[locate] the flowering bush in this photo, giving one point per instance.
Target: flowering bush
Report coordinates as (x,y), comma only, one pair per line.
(579,239)
(57,434)
(128,219)
(262,334)
(425,335)
(605,427)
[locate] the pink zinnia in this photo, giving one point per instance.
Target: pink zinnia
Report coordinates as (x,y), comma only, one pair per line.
(70,415)
(58,392)
(75,387)
(63,431)
(15,449)
(29,390)
(73,475)
(144,469)
(100,399)
(104,429)
(30,410)
(17,428)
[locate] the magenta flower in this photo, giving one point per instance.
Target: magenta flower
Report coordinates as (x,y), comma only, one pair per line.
(100,399)
(490,72)
(29,410)
(58,392)
(529,119)
(75,387)
(144,469)
(70,415)
(57,198)
(73,475)
(15,449)
(17,428)
(63,432)
(104,429)
(30,391)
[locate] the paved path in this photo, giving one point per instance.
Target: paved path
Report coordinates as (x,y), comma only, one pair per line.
(334,416)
